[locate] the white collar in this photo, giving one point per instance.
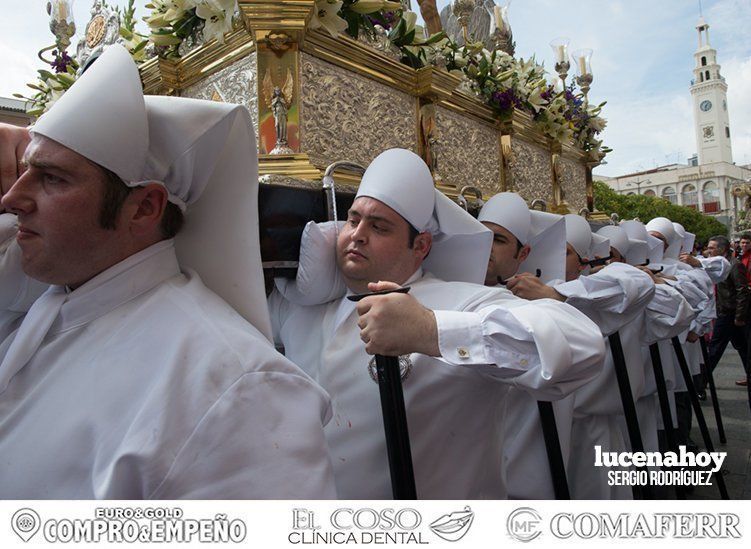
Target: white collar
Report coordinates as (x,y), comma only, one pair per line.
(117,285)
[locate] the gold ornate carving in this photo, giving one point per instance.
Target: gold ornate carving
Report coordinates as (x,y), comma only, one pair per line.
(347,116)
(507,156)
(291,165)
(164,76)
(429,139)
(263,17)
(95,31)
(468,153)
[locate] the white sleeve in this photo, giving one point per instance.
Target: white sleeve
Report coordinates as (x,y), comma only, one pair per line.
(717,268)
(259,440)
(612,297)
(546,347)
(17,291)
(667,315)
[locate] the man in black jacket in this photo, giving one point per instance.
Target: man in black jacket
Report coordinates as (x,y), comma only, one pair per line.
(732,308)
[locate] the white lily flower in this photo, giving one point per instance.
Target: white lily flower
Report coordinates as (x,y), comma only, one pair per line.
(218,16)
(325,15)
(365,7)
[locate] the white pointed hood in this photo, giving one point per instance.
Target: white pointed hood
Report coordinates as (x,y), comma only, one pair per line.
(196,149)
(461,244)
(510,211)
(547,242)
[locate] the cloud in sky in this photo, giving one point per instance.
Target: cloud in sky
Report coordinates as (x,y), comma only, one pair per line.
(642,64)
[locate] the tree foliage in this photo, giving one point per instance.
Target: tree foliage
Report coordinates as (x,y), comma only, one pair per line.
(648,207)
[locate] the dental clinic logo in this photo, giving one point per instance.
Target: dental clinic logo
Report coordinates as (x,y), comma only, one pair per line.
(25,523)
(454,526)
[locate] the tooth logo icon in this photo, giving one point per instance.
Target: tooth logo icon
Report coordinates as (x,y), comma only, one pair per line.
(25,523)
(454,526)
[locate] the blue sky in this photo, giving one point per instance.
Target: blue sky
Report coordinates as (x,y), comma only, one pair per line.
(642,64)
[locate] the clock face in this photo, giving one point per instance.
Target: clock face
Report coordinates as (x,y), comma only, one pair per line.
(705,105)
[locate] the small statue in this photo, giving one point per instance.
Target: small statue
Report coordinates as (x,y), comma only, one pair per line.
(477,19)
(279,100)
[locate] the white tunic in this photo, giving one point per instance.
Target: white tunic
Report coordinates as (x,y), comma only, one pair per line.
(612,297)
(150,386)
(488,339)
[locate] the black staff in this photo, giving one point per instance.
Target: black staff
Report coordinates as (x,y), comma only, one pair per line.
(667,416)
(394,418)
(709,376)
(629,408)
(697,412)
(553,449)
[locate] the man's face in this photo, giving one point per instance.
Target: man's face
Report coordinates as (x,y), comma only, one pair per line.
(374,245)
(574,266)
(712,250)
(745,245)
(58,201)
(661,237)
(505,255)
(616,256)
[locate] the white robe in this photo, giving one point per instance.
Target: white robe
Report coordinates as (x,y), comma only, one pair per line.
(148,385)
(488,339)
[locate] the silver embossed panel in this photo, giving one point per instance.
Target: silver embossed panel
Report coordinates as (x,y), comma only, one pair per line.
(574,183)
(468,152)
(234,84)
(530,171)
(347,116)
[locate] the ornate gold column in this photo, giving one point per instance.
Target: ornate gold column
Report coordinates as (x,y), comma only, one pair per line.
(278,28)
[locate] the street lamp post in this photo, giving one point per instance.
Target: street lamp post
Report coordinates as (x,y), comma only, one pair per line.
(638,184)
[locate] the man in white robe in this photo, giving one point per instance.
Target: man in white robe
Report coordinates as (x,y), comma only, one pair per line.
(618,297)
(128,378)
(466,344)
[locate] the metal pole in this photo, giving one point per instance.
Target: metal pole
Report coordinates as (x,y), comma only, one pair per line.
(394,418)
(395,426)
(667,417)
(629,409)
(712,390)
(697,411)
(553,449)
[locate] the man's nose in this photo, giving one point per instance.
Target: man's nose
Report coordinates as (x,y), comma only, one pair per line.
(17,200)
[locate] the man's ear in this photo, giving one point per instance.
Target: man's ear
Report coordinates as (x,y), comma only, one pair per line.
(524,252)
(146,208)
(423,243)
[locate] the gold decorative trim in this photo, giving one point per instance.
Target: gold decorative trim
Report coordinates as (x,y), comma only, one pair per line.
(262,17)
(291,165)
(435,84)
(165,76)
(360,58)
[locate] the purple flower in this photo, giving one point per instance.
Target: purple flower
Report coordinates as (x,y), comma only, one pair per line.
(61,62)
(505,100)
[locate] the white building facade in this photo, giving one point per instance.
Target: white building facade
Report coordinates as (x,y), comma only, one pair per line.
(710,183)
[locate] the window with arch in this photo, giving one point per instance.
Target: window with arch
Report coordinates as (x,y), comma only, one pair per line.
(668,193)
(711,197)
(706,75)
(689,196)
(703,61)
(649,192)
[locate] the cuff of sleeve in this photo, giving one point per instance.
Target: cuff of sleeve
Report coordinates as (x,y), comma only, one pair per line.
(572,288)
(460,337)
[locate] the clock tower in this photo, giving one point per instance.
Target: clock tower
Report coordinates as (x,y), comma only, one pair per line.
(709,92)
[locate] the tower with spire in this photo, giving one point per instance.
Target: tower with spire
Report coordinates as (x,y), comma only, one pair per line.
(709,92)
